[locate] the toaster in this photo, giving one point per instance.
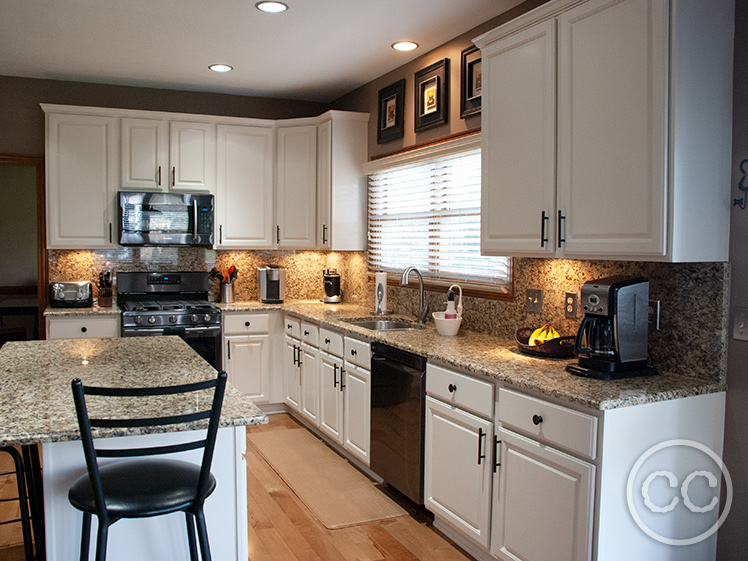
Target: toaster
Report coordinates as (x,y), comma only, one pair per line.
(70,294)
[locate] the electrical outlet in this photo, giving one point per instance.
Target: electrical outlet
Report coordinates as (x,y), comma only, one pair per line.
(570,305)
(654,314)
(740,324)
(534,301)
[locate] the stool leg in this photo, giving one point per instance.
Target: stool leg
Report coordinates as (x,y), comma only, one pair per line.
(202,535)
(86,536)
(191,535)
(36,496)
(101,540)
(23,503)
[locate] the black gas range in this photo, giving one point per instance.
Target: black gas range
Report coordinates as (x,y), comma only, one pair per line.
(155,304)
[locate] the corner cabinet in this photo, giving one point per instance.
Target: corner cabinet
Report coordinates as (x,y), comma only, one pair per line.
(81,180)
(631,158)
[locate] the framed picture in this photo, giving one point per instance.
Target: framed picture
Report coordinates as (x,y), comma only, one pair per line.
(391,109)
(471,82)
(432,95)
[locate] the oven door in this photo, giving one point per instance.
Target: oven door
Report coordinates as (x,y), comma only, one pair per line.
(205,341)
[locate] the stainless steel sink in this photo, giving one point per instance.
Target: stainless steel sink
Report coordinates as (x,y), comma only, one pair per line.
(384,324)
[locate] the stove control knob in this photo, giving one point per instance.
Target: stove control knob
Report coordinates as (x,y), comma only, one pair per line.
(193,318)
(172,319)
(152,320)
(206,318)
(138,320)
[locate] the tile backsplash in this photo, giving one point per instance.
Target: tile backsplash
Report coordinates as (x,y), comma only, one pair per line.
(692,340)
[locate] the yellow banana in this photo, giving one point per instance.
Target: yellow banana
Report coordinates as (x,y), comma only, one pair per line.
(543,334)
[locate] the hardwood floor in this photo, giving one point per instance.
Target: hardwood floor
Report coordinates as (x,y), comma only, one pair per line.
(11,538)
(281,528)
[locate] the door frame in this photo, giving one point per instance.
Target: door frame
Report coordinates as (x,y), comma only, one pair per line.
(42,278)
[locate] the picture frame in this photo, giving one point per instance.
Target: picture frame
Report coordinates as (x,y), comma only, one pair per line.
(432,96)
(471,82)
(391,123)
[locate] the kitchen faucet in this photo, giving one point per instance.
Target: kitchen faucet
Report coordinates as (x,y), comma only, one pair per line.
(423,308)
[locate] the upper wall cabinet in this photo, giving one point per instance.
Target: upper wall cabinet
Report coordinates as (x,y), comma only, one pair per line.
(341,183)
(631,158)
(161,155)
(81,167)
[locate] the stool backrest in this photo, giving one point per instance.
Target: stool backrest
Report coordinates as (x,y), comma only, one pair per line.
(179,397)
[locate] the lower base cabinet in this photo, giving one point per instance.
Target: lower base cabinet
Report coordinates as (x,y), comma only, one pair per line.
(357,411)
(543,502)
(246,353)
(332,387)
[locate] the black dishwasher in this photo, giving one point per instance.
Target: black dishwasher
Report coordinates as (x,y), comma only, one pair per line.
(398,393)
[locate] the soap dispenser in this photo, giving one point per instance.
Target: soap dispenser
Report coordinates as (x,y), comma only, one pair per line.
(450,312)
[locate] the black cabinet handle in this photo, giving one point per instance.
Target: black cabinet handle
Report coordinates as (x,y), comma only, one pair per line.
(353,352)
(537,419)
(159,176)
(342,371)
(110,232)
(452,388)
(481,436)
(327,341)
(288,326)
(246,324)
(228,351)
(496,459)
(561,219)
(543,220)
(278,234)
(324,234)
(335,376)
(84,329)
(295,358)
(173,176)
(306,333)
(220,234)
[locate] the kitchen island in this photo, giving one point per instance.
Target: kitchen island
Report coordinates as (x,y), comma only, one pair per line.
(36,407)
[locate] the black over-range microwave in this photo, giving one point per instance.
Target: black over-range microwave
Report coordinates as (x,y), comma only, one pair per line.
(165,219)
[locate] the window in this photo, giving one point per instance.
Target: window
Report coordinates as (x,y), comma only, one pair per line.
(424,210)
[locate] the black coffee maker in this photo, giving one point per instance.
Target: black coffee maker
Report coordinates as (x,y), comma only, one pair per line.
(612,338)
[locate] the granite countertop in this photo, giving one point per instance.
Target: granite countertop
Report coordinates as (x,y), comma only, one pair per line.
(94,310)
(36,402)
(489,356)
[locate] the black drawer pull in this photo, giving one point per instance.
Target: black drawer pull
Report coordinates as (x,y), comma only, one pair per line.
(327,341)
(335,376)
(353,352)
(306,333)
(246,324)
(537,419)
(84,329)
(496,460)
(289,326)
(481,436)
(452,388)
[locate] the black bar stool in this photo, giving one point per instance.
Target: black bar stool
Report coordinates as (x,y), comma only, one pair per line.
(23,502)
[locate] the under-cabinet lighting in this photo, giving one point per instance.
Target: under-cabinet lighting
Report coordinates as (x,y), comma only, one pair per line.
(405,45)
(271,7)
(221,68)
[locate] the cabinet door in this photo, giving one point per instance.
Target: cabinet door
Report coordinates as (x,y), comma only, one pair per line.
(612,124)
(297,187)
(458,469)
(543,503)
(357,411)
(331,395)
(192,156)
(82,327)
(144,164)
(81,166)
(247,361)
(244,190)
(518,144)
(310,382)
(292,373)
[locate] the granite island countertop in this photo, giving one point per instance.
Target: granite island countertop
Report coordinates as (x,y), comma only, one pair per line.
(36,402)
(500,359)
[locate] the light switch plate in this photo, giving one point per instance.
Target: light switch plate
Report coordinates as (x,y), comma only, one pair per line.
(740,324)
(534,301)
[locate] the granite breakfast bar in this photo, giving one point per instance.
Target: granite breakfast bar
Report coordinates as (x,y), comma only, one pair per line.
(36,407)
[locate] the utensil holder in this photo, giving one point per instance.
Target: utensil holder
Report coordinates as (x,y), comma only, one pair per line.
(226,297)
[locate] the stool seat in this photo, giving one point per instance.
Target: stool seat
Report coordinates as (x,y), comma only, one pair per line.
(142,488)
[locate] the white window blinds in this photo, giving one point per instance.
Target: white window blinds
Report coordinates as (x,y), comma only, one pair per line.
(427,213)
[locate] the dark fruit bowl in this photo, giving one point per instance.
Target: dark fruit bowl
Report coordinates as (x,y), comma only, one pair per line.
(560,347)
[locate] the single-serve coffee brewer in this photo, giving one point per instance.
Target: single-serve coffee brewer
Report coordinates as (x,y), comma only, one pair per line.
(271,281)
(612,338)
(331,281)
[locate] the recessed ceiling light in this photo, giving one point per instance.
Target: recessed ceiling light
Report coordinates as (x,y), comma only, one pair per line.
(405,45)
(221,68)
(271,7)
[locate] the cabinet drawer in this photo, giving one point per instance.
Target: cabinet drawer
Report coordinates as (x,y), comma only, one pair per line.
(548,422)
(310,333)
(458,389)
(82,327)
(331,342)
(358,352)
(240,324)
(292,327)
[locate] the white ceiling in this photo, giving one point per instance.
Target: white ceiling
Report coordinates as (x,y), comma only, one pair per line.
(318,50)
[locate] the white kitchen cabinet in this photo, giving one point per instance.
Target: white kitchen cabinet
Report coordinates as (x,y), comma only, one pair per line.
(458,454)
(310,372)
(296,187)
(163,155)
(81,176)
(244,189)
(357,411)
(331,395)
(246,353)
(631,160)
(83,327)
(292,372)
(543,502)
(341,183)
